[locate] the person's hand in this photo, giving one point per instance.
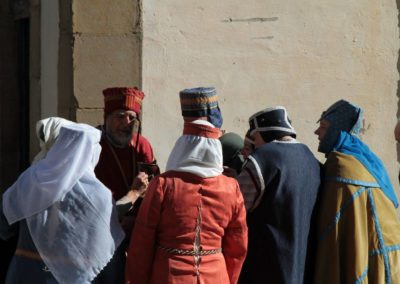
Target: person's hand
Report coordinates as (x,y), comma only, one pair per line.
(132,196)
(397,132)
(140,183)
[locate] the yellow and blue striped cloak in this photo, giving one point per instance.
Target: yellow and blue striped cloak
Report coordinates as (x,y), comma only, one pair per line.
(358,227)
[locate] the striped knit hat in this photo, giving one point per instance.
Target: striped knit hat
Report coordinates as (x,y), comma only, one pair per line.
(122,98)
(200,102)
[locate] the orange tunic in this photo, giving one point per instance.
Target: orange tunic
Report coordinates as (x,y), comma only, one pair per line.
(177,203)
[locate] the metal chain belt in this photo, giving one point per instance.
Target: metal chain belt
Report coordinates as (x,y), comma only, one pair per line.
(190,252)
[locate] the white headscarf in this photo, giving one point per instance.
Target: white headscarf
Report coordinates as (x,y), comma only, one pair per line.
(196,154)
(69,212)
(47,131)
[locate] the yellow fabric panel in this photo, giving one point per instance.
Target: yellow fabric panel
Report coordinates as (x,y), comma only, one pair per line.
(337,246)
(395,266)
(345,166)
(343,251)
(376,270)
(388,219)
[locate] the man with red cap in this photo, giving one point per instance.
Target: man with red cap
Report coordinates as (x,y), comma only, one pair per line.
(124,151)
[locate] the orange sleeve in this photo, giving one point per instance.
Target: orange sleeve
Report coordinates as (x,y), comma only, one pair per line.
(143,244)
(234,243)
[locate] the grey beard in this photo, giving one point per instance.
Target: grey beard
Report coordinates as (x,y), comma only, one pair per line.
(118,142)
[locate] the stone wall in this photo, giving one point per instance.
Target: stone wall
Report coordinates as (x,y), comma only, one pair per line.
(302,54)
(106,52)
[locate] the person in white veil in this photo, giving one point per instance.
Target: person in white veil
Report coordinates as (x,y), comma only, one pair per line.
(47,131)
(191,226)
(69,227)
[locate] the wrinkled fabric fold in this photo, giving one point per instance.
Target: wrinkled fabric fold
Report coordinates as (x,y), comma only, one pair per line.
(47,131)
(78,235)
(50,179)
(197,155)
(69,212)
(351,145)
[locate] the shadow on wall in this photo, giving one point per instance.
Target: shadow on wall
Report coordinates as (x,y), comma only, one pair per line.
(398,82)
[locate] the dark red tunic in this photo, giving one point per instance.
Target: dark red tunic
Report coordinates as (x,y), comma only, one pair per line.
(108,171)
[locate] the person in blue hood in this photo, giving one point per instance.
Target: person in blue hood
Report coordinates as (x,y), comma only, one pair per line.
(358,230)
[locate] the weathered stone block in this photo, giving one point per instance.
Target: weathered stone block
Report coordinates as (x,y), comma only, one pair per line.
(101,62)
(92,117)
(106,16)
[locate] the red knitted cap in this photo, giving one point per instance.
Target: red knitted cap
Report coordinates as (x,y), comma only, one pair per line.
(122,98)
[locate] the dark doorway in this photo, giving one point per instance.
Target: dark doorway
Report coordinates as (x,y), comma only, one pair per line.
(23,91)
(14,95)
(14,103)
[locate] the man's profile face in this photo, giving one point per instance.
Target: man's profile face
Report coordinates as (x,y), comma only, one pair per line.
(247,149)
(322,129)
(258,140)
(120,126)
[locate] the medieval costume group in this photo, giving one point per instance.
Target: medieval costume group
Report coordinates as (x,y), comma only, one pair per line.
(94,208)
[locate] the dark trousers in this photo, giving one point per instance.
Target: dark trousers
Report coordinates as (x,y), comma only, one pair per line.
(114,272)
